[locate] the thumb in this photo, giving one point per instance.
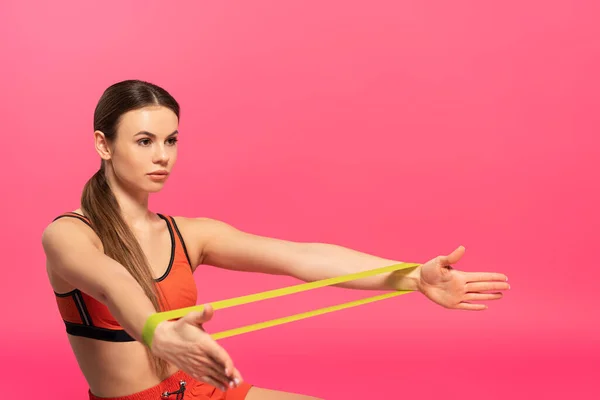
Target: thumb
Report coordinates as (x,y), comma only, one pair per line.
(453,257)
(199,317)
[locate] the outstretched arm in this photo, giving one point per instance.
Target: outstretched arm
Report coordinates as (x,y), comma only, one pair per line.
(224,246)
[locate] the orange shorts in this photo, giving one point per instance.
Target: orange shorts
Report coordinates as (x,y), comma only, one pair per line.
(193,390)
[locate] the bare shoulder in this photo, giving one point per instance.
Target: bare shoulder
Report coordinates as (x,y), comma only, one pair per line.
(61,240)
(198,232)
(67,230)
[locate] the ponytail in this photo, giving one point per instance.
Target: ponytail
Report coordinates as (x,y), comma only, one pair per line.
(100,205)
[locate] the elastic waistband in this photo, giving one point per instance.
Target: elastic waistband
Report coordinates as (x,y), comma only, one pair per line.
(170,384)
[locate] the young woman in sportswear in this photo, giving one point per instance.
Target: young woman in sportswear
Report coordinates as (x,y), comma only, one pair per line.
(113,263)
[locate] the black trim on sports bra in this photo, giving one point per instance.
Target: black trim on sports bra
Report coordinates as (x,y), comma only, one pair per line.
(182,242)
(172,235)
(74,215)
(94,332)
(87,328)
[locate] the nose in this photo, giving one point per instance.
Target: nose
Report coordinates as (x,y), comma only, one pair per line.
(161,156)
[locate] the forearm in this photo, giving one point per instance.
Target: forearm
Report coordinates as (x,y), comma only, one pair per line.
(129,305)
(322,261)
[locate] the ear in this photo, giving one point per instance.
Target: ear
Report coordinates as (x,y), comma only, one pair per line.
(101,145)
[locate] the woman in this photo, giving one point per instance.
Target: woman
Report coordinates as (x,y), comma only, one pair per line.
(113,263)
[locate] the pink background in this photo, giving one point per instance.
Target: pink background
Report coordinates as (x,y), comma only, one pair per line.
(403,129)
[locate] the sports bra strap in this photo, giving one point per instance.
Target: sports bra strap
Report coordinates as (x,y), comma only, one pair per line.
(74,215)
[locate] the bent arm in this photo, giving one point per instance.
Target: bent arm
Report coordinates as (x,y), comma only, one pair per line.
(72,254)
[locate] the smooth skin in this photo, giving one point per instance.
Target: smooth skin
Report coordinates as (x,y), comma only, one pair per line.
(147,140)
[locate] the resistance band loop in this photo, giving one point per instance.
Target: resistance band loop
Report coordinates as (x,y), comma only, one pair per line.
(155,319)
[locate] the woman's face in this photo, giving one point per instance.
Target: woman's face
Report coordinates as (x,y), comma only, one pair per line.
(144,150)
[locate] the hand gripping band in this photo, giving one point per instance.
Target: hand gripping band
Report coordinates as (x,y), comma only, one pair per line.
(155,319)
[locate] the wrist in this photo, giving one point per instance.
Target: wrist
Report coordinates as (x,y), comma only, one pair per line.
(153,331)
(159,338)
(406,279)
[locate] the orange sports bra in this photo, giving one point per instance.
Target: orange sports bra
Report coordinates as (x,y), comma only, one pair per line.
(85,316)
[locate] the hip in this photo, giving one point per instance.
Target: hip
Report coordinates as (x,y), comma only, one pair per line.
(180,386)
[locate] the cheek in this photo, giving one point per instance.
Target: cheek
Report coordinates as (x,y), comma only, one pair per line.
(130,161)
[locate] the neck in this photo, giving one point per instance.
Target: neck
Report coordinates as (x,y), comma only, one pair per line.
(133,205)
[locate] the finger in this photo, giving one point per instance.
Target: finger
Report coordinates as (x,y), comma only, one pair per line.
(471,307)
(203,316)
(204,366)
(485,276)
(216,372)
(230,375)
(482,296)
(219,373)
(220,358)
(205,372)
(237,377)
(234,378)
(208,312)
(197,318)
(205,362)
(453,257)
(486,286)
(211,381)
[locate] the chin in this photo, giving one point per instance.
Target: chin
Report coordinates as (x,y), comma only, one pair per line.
(157,187)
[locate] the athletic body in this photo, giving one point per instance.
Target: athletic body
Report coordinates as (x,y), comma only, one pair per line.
(112,263)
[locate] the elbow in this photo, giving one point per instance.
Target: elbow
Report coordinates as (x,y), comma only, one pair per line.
(102,295)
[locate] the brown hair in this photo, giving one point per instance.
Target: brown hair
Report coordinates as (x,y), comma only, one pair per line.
(100,205)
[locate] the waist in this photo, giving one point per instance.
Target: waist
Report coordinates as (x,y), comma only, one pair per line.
(112,369)
(173,387)
(122,371)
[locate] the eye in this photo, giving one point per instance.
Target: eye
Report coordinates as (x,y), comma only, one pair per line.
(172,141)
(144,142)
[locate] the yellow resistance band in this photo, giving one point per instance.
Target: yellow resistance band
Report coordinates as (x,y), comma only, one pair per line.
(155,319)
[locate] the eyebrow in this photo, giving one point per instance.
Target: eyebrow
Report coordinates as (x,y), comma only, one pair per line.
(152,134)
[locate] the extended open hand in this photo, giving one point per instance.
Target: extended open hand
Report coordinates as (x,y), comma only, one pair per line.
(455,289)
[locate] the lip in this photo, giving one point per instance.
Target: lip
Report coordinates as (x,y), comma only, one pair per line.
(159,173)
